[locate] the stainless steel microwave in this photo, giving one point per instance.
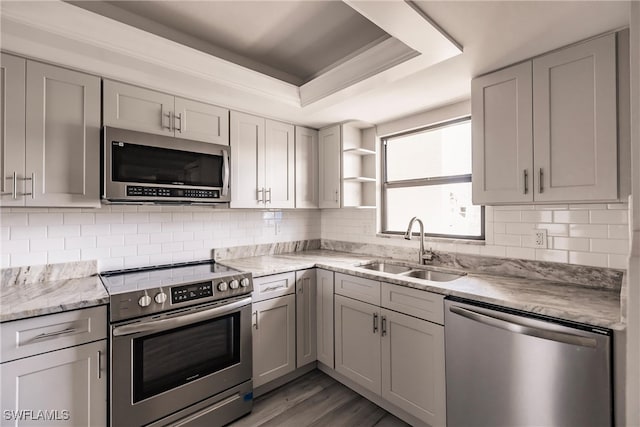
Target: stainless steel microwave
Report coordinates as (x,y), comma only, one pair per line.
(139,167)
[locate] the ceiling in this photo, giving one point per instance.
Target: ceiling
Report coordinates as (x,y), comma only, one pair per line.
(493,34)
(293,41)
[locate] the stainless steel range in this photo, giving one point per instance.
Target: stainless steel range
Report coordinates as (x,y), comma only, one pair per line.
(180,345)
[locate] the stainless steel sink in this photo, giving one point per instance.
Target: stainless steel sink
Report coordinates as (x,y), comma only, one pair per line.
(434,276)
(386,268)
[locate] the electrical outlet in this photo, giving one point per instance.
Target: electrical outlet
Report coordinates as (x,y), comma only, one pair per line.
(540,238)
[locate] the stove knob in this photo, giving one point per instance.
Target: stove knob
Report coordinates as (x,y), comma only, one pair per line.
(160,298)
(234,284)
(144,301)
(222,286)
(244,282)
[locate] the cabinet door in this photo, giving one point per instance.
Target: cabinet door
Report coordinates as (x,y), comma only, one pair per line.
(247,161)
(12,122)
(305,316)
(324,312)
(70,384)
(201,122)
(502,136)
(413,366)
(358,342)
(306,169)
(274,339)
(329,147)
(135,108)
(279,165)
(62,137)
(574,123)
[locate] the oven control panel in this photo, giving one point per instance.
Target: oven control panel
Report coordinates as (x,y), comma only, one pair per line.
(191,292)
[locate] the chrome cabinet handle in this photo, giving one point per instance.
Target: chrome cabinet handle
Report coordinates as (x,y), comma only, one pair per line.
(384,326)
(169,117)
(47,335)
(260,191)
(375,322)
(255,324)
(178,117)
(522,328)
(336,196)
(99,364)
(265,195)
(33,185)
(14,192)
(541,187)
(526,181)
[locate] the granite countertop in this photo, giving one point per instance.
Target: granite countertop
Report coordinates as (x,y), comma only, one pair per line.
(51,296)
(593,306)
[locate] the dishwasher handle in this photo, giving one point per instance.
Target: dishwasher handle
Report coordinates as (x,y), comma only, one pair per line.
(524,329)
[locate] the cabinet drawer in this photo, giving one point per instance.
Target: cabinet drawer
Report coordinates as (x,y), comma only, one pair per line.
(27,337)
(358,288)
(273,286)
(422,304)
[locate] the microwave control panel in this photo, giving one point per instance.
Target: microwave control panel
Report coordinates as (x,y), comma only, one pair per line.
(142,191)
(191,292)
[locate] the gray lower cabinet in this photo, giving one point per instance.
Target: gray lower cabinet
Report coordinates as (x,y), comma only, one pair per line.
(51,135)
(306,343)
(54,369)
(69,386)
(324,319)
(396,355)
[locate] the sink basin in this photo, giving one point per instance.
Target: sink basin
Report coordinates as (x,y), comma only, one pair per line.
(386,268)
(434,276)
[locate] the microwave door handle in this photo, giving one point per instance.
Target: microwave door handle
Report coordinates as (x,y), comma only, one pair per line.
(225,173)
(181,320)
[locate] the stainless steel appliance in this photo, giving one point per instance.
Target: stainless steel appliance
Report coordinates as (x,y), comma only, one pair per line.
(508,368)
(145,168)
(180,345)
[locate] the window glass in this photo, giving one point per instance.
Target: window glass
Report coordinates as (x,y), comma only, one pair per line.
(428,175)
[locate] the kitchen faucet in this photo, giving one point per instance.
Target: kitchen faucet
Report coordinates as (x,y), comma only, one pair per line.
(422,255)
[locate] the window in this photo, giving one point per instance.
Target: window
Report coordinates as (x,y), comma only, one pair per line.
(427,173)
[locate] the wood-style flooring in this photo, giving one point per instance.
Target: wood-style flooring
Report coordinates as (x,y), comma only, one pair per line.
(316,399)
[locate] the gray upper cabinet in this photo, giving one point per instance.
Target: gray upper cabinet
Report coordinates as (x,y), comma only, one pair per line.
(546,130)
(306,168)
(145,110)
(501,109)
(574,122)
(330,152)
(55,162)
(12,122)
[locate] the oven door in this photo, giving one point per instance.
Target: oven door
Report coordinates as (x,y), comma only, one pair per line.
(137,165)
(165,363)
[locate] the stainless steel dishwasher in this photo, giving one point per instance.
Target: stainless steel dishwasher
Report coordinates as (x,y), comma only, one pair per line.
(508,368)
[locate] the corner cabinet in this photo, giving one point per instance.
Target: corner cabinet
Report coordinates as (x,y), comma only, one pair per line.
(50,129)
(306,343)
(262,162)
(306,168)
(324,313)
(56,365)
(546,130)
(132,107)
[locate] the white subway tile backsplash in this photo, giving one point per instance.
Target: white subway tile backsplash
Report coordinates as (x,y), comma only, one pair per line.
(43,245)
(551,255)
(110,241)
(80,242)
(136,261)
(55,257)
(15,246)
(618,261)
(5,233)
(587,230)
(555,229)
(588,206)
(522,253)
(45,219)
(520,228)
(150,227)
(552,207)
(610,217)
(571,217)
(617,232)
(28,258)
(149,249)
(170,227)
(172,247)
(506,216)
(160,237)
(618,206)
(610,246)
(24,232)
(95,230)
(136,239)
(79,218)
(571,243)
(507,240)
(109,218)
(8,219)
(124,228)
(135,218)
(587,258)
(63,231)
(537,216)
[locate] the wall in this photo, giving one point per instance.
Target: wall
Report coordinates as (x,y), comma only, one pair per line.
(132,236)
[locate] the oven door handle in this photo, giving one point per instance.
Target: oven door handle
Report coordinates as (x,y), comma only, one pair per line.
(181,320)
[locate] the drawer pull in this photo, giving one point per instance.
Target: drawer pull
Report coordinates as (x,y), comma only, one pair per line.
(53,334)
(273,288)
